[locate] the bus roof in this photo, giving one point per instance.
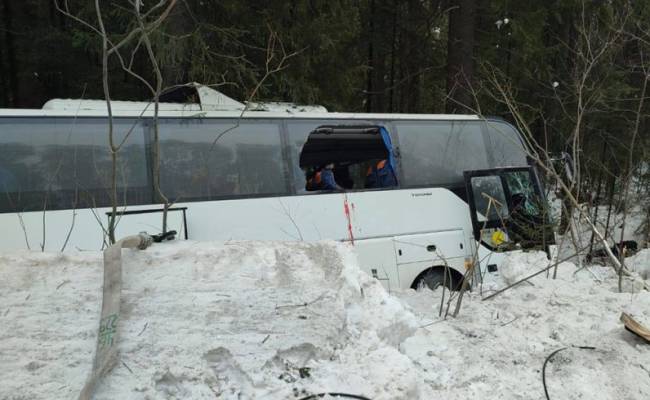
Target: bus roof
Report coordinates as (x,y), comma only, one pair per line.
(212,104)
(193,113)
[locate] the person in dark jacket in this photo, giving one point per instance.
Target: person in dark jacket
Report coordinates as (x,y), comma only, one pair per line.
(380,175)
(323,179)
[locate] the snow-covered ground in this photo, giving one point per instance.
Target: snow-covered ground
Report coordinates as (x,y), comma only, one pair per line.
(496,348)
(252,320)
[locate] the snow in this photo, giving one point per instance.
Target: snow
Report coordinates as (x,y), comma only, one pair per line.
(279,320)
(640,263)
(496,348)
(521,264)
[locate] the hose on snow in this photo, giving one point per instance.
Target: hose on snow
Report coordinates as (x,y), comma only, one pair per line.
(551,356)
(106,348)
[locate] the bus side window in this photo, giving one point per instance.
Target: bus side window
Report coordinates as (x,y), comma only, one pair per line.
(207,159)
(343,156)
(64,163)
(437,152)
(504,146)
(298,132)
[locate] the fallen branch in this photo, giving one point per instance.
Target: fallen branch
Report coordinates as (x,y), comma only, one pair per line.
(510,322)
(143,328)
(127,367)
(306,304)
(62,283)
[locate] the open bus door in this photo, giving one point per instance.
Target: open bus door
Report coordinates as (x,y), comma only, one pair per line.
(508,209)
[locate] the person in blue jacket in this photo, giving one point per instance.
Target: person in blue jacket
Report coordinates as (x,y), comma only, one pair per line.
(380,175)
(323,179)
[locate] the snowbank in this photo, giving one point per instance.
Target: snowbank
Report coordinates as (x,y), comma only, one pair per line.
(640,263)
(519,265)
(242,320)
(252,320)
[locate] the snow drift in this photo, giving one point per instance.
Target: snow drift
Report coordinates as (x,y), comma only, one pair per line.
(253,320)
(241,320)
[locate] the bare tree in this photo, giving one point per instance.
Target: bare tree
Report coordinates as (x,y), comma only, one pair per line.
(138,35)
(145,23)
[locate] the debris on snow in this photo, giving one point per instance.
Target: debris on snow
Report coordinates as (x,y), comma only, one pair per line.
(635,327)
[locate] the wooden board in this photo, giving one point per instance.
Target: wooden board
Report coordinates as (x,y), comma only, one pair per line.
(635,327)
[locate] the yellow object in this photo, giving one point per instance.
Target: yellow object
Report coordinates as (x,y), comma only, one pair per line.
(498,237)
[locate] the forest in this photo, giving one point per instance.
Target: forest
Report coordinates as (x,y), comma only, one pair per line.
(571,74)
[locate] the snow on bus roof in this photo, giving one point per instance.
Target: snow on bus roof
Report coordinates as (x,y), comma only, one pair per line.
(208,100)
(212,104)
(189,112)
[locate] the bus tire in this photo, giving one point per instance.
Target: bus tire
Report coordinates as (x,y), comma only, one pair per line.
(433,278)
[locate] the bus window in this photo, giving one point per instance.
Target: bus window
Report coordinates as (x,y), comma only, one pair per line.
(246,160)
(437,152)
(355,156)
(65,163)
(504,145)
(298,132)
(489,198)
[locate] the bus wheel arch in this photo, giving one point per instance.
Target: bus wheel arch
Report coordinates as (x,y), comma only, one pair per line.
(434,277)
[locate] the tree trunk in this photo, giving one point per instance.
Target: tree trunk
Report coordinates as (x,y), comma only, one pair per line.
(179,24)
(369,74)
(460,55)
(378,51)
(12,86)
(393,55)
(596,202)
(611,187)
(4,87)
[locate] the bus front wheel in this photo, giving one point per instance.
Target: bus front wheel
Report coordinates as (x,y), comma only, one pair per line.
(433,278)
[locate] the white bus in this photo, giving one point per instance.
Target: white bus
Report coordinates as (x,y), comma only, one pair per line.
(55,178)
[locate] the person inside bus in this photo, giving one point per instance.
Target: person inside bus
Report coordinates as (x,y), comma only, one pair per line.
(323,179)
(380,175)
(342,176)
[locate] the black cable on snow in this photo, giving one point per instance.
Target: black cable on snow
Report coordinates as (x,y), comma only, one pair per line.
(551,356)
(344,395)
